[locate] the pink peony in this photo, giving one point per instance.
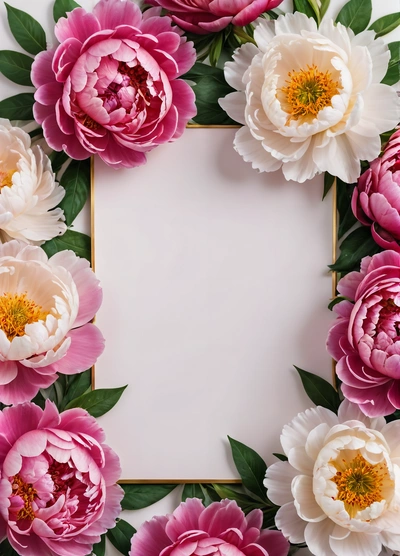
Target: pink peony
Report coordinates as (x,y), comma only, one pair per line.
(376,199)
(45,309)
(222,529)
(57,487)
(365,340)
(111,87)
(210,16)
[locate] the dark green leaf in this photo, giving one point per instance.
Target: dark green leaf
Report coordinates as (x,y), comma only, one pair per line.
(16,67)
(99,549)
(76,182)
(251,467)
(328,183)
(18,107)
(141,496)
(355,246)
(192,491)
(344,194)
(393,73)
(216,49)
(269,520)
(27,31)
(58,159)
(304,7)
(61,7)
(324,7)
(97,402)
(272,15)
(246,502)
(282,457)
(385,24)
(335,301)
(210,495)
(77,385)
(393,417)
(6,549)
(121,536)
(319,390)
(77,242)
(356,15)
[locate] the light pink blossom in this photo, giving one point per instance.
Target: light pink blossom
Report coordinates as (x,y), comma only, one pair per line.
(376,199)
(210,16)
(365,339)
(110,88)
(46,305)
(221,529)
(57,487)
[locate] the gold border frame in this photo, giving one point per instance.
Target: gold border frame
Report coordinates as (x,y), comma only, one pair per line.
(93,263)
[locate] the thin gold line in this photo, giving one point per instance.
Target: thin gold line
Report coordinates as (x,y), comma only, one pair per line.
(213,126)
(93,257)
(178,481)
(334,258)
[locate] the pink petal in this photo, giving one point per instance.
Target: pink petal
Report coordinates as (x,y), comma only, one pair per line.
(86,346)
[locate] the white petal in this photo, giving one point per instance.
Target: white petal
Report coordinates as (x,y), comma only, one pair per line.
(364,148)
(304,500)
(357,544)
(351,412)
(264,33)
(234,105)
(317,537)
(252,151)
(337,158)
(360,66)
(234,71)
(295,24)
(278,482)
(291,525)
(381,111)
(379,52)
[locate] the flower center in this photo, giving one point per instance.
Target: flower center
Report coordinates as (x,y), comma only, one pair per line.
(28,495)
(16,311)
(62,476)
(359,483)
(6,178)
(309,91)
(138,77)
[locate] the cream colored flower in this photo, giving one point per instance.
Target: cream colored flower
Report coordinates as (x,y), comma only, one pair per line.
(339,491)
(28,190)
(310,99)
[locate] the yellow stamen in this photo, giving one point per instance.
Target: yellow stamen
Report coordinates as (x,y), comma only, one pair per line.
(16,311)
(6,178)
(359,483)
(309,91)
(28,495)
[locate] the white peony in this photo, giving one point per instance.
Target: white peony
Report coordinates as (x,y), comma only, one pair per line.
(339,491)
(310,99)
(28,190)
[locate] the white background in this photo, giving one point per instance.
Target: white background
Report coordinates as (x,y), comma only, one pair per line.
(42,10)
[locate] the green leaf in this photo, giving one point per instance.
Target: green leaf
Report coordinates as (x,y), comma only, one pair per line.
(58,159)
(246,502)
(251,467)
(324,7)
(121,536)
(61,7)
(335,301)
(16,67)
(18,107)
(216,48)
(319,390)
(97,402)
(77,385)
(281,457)
(6,549)
(393,73)
(76,182)
(356,15)
(192,491)
(304,7)
(328,183)
(99,549)
(141,496)
(27,31)
(354,247)
(344,194)
(385,24)
(77,242)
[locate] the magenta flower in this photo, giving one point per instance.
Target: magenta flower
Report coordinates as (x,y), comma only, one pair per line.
(111,87)
(45,309)
(376,199)
(222,529)
(57,487)
(365,340)
(210,16)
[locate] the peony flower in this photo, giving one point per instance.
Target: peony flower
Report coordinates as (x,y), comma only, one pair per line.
(221,529)
(111,87)
(310,100)
(339,491)
(365,339)
(209,16)
(376,201)
(45,309)
(28,191)
(57,487)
